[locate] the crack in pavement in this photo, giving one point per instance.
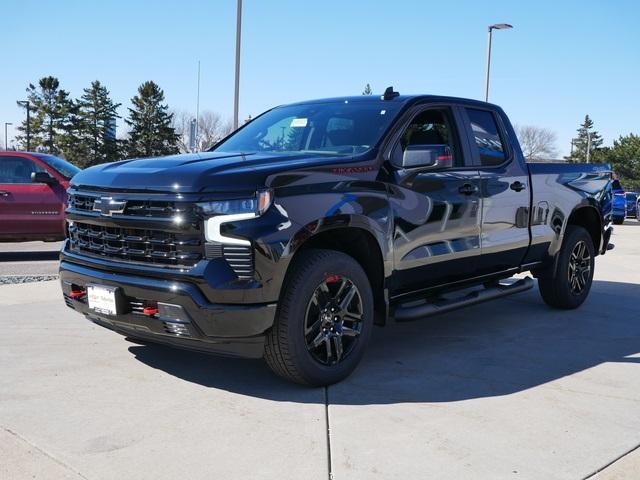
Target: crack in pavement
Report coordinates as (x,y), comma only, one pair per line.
(43,452)
(620,457)
(328,429)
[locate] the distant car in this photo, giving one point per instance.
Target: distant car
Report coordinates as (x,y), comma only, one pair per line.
(33,196)
(632,204)
(619,202)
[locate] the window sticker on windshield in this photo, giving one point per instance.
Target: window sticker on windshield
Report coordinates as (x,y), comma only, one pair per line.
(298,122)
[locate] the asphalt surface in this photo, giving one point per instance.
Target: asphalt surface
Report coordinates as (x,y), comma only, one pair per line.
(29,258)
(505,390)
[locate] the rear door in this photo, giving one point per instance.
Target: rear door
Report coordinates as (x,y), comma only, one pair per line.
(436,211)
(504,191)
(28,209)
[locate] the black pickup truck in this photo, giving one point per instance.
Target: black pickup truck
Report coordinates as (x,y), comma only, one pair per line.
(297,233)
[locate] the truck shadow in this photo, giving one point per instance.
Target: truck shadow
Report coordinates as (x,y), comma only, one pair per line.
(494,349)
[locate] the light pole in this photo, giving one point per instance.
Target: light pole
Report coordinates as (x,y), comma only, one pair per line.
(6,142)
(237,86)
(497,26)
(25,103)
(588,146)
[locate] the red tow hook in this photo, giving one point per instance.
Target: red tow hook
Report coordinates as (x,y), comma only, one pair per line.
(150,311)
(77,294)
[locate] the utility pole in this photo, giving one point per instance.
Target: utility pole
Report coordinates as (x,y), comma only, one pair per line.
(497,26)
(6,141)
(236,96)
(197,111)
(588,146)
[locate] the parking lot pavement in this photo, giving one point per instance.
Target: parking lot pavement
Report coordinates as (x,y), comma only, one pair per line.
(29,258)
(509,389)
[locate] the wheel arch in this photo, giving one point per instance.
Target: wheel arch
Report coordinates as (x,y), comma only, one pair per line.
(360,243)
(589,218)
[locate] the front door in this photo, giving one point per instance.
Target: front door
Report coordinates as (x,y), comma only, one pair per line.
(436,211)
(27,208)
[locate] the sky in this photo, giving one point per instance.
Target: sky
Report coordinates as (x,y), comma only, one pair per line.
(562,59)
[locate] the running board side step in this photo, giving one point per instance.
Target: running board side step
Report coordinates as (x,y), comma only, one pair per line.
(442,305)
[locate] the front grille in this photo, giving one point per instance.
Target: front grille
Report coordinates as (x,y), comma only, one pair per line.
(137,245)
(81,202)
(138,208)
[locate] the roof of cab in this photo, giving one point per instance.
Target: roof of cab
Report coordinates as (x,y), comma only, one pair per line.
(400,99)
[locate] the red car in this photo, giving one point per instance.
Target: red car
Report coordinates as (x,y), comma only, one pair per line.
(33,196)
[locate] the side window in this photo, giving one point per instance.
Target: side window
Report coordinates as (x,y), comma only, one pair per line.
(433,127)
(487,137)
(17,169)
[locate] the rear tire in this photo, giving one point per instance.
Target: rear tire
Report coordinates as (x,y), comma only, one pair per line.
(320,334)
(569,285)
(618,220)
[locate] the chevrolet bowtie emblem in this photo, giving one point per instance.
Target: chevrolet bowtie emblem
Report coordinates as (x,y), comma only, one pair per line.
(107,206)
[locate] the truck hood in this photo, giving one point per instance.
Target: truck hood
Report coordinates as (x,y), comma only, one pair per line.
(198,172)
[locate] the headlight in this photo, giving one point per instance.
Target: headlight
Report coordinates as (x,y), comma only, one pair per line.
(226,211)
(258,205)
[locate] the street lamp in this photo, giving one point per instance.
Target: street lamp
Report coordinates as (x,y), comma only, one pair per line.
(497,26)
(237,86)
(6,142)
(25,103)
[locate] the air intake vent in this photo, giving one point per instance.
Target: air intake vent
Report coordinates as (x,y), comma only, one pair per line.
(179,329)
(239,258)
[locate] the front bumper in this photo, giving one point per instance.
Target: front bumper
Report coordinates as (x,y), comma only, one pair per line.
(190,320)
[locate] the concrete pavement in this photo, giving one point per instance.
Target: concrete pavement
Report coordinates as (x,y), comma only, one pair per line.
(29,258)
(508,389)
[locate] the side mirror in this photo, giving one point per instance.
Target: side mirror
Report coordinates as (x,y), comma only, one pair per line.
(42,177)
(427,156)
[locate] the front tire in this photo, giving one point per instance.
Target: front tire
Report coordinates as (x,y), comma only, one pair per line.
(324,319)
(569,285)
(618,220)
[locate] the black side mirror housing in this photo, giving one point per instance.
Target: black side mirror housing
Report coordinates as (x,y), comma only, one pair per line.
(43,177)
(427,156)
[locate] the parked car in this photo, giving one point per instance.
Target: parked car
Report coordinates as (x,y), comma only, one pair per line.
(33,196)
(632,205)
(299,231)
(619,203)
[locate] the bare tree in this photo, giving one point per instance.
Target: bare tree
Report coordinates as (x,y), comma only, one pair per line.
(537,143)
(211,129)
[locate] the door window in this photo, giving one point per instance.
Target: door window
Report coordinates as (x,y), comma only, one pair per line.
(487,137)
(17,169)
(432,127)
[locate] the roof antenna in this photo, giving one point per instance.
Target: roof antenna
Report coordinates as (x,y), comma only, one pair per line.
(389,94)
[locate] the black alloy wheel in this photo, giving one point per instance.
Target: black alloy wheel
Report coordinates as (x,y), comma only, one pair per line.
(579,268)
(333,320)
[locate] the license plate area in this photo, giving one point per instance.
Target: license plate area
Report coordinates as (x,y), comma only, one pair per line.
(103,299)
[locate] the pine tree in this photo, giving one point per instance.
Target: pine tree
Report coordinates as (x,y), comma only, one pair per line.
(51,109)
(367,90)
(587,139)
(96,114)
(151,131)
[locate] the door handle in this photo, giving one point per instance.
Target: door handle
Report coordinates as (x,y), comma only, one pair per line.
(468,189)
(4,193)
(517,186)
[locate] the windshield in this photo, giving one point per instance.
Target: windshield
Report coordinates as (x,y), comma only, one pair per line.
(322,128)
(66,169)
